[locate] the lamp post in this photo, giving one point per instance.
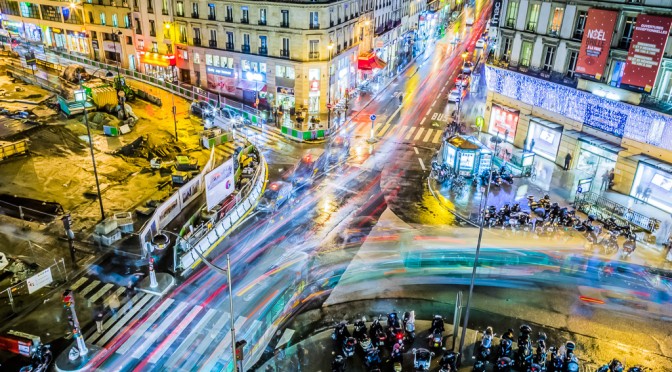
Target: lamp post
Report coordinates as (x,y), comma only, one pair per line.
(172,94)
(329,47)
(80,96)
(478,249)
(120,93)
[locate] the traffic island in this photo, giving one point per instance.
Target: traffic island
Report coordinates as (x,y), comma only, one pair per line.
(161,284)
(65,364)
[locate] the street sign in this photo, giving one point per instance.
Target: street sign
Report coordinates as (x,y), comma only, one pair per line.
(41,279)
(329,105)
(372,117)
(579,189)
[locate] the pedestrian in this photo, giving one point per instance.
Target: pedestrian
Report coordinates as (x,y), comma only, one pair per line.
(99,318)
(639,193)
(113,303)
(611,178)
(647,194)
(568,160)
(532,145)
(605,181)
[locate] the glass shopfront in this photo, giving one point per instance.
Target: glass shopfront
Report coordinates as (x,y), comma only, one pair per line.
(78,42)
(653,185)
(503,121)
(595,161)
(546,137)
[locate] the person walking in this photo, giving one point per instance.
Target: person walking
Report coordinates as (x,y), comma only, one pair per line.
(605,181)
(99,318)
(647,194)
(611,178)
(568,160)
(532,145)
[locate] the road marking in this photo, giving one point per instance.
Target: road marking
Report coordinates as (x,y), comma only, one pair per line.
(214,331)
(436,136)
(158,331)
(140,332)
(219,350)
(416,150)
(385,128)
(173,335)
(418,134)
(191,337)
(410,132)
(433,103)
(422,164)
(89,288)
(78,284)
(429,134)
(423,120)
(100,293)
(428,111)
(443,88)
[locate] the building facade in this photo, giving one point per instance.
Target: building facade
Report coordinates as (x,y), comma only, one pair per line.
(592,80)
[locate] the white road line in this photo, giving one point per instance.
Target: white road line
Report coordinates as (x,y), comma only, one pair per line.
(428,111)
(78,284)
(429,134)
(214,331)
(191,337)
(100,293)
(175,334)
(144,327)
(385,127)
(433,103)
(418,134)
(410,132)
(416,150)
(443,88)
(219,350)
(89,288)
(423,120)
(436,136)
(422,164)
(158,331)
(400,131)
(128,306)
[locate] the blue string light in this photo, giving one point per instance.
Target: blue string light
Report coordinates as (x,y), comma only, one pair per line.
(613,117)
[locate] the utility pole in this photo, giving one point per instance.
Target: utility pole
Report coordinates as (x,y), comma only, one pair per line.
(69,303)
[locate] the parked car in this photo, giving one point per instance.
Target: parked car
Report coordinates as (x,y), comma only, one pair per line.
(202,109)
(456,95)
(275,196)
(481,43)
(467,67)
(462,80)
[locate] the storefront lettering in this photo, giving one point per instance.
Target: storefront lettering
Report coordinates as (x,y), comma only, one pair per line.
(220,71)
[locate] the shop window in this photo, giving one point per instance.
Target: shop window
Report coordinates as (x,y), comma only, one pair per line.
(314,51)
(653,186)
(526,54)
(164,7)
(209,60)
(666,86)
(286,72)
(141,44)
(556,21)
(183,34)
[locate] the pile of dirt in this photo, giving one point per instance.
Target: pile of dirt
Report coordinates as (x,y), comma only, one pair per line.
(52,140)
(98,119)
(144,147)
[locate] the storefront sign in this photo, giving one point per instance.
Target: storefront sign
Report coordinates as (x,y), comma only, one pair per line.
(220,71)
(157,59)
(546,140)
(604,119)
(503,121)
(597,36)
(254,76)
(646,49)
(111,46)
(496,13)
(285,91)
(314,85)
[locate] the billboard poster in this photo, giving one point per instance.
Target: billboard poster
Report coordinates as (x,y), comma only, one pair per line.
(646,49)
(168,210)
(597,36)
(496,14)
(219,184)
(190,191)
(503,121)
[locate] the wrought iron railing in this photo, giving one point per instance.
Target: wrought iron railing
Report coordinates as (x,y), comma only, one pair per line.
(603,208)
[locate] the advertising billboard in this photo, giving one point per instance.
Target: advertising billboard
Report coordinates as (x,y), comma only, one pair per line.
(646,50)
(503,121)
(496,14)
(597,36)
(219,184)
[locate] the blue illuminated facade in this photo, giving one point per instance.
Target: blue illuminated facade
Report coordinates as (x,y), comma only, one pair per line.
(613,117)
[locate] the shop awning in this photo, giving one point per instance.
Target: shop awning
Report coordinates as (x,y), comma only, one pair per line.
(251,85)
(595,141)
(655,163)
(546,123)
(370,62)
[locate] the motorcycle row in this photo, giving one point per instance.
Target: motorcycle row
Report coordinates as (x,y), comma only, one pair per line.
(546,218)
(616,366)
(442,173)
(393,337)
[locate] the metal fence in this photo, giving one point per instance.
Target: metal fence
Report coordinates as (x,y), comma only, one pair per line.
(19,297)
(603,208)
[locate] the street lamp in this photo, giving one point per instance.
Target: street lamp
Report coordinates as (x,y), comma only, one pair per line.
(80,96)
(329,47)
(120,93)
(172,95)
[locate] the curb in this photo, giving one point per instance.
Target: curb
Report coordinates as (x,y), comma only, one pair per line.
(451,210)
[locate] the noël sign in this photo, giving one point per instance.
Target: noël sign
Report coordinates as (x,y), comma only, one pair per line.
(496,13)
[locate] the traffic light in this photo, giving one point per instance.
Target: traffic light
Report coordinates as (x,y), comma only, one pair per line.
(239,349)
(68,298)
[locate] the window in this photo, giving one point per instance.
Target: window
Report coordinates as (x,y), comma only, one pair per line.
(155,47)
(246,65)
(571,64)
(262,16)
(180,8)
(285,18)
(285,47)
(314,51)
(90,17)
(506,49)
(194,10)
(164,7)
(152,28)
(549,58)
(617,68)
(127,21)
(526,54)
(628,28)
(217,61)
(166,32)
(197,33)
(211,12)
(115,21)
(229,37)
(102,19)
(580,25)
(556,21)
(246,15)
(532,17)
(314,20)
(511,14)
(129,40)
(229,13)
(263,41)
(246,39)
(183,34)
(286,72)
(213,38)
(197,58)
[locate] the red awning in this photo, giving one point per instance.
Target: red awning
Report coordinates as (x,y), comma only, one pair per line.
(370,62)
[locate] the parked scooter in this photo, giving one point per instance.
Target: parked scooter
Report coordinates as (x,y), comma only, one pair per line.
(338,364)
(571,361)
(524,352)
(41,360)
(422,359)
(541,355)
(365,344)
(349,347)
(614,366)
(360,329)
(449,361)
(397,355)
(503,364)
(629,246)
(409,326)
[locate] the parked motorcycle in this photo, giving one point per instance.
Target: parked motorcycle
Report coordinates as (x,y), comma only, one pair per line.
(557,363)
(360,329)
(372,359)
(629,246)
(41,360)
(422,359)
(409,325)
(524,352)
(365,344)
(614,366)
(609,242)
(436,339)
(340,332)
(349,347)
(338,364)
(571,362)
(541,355)
(503,364)
(449,361)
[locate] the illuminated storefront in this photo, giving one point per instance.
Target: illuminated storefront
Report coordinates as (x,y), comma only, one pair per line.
(546,136)
(313,90)
(653,182)
(157,65)
(503,122)
(77,42)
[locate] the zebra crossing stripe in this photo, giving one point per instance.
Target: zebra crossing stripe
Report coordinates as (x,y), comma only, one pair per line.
(145,326)
(436,136)
(191,337)
(384,130)
(175,333)
(100,293)
(409,133)
(154,334)
(418,134)
(214,331)
(79,283)
(143,299)
(219,350)
(428,135)
(90,288)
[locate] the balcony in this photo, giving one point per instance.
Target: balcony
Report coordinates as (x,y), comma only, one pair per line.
(531,26)
(194,15)
(578,35)
(314,26)
(245,48)
(183,39)
(284,53)
(262,22)
(263,51)
(180,14)
(284,24)
(197,41)
(164,11)
(331,23)
(339,21)
(212,43)
(211,17)
(229,46)
(228,19)
(314,55)
(150,10)
(245,20)
(138,30)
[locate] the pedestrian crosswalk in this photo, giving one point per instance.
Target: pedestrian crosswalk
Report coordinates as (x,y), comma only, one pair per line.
(405,133)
